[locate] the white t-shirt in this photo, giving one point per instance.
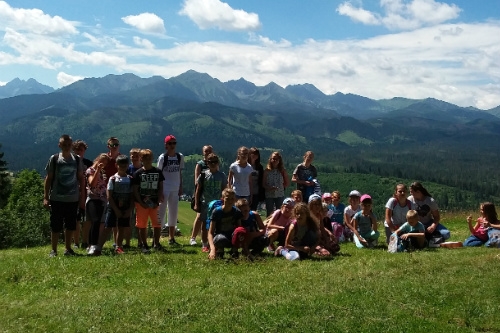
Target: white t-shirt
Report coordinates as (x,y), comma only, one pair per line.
(398,212)
(171,171)
(424,208)
(241,175)
(351,212)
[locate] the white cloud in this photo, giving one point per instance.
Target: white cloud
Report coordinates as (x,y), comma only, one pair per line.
(146,23)
(403,15)
(65,79)
(217,14)
(34,21)
(143,43)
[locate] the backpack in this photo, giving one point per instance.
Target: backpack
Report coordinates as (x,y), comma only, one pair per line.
(408,204)
(178,160)
(213,205)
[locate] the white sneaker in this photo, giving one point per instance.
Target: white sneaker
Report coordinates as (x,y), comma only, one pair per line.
(393,244)
(91,250)
(192,242)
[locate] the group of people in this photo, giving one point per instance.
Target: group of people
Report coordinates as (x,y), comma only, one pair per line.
(115,192)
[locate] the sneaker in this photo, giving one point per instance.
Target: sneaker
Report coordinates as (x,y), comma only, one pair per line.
(164,231)
(178,232)
(119,250)
(91,250)
(114,246)
(76,246)
(192,242)
(393,244)
(172,242)
(145,250)
(205,249)
(52,254)
(69,252)
(159,248)
(277,252)
(271,248)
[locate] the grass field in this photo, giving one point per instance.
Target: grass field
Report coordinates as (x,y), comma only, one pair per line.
(436,290)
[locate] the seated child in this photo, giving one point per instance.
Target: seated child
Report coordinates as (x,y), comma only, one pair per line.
(302,235)
(479,232)
(364,225)
(337,219)
(224,222)
(351,210)
(296,195)
(278,222)
(411,235)
(256,239)
(120,205)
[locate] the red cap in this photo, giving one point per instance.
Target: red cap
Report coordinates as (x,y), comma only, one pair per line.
(239,235)
(169,137)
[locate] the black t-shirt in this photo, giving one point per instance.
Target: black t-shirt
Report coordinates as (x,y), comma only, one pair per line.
(148,182)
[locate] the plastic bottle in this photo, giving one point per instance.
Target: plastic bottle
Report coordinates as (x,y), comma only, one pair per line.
(290,255)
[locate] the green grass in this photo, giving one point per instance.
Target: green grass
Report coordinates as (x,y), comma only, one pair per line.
(437,290)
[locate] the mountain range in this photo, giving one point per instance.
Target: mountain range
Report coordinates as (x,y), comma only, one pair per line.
(200,109)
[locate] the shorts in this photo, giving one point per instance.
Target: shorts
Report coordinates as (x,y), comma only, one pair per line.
(111,220)
(143,215)
(223,240)
(63,214)
(80,215)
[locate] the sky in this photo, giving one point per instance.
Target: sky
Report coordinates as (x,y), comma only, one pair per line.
(448,50)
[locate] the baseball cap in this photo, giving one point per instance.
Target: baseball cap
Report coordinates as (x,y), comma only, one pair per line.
(354,193)
(239,235)
(169,137)
(327,195)
(313,197)
(365,197)
(289,202)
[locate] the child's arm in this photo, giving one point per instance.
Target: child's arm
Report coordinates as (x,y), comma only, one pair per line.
(388,219)
(260,224)
(469,223)
(160,192)
(137,196)
(413,234)
(270,225)
(354,227)
(288,241)
(230,179)
(197,195)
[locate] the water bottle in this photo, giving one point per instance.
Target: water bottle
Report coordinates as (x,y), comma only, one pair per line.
(290,255)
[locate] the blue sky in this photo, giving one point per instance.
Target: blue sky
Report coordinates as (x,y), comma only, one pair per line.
(448,50)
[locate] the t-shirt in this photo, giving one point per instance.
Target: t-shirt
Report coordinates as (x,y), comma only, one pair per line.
(398,212)
(407,228)
(226,221)
(351,212)
(424,209)
(480,231)
(148,182)
(305,173)
(132,169)
(364,223)
(250,224)
(65,186)
(275,179)
(279,219)
(241,176)
(171,168)
(99,190)
(122,190)
(337,213)
(255,177)
(212,185)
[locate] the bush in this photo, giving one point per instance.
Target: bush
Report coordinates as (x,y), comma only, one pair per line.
(24,221)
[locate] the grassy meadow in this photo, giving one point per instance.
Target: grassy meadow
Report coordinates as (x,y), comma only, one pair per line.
(435,290)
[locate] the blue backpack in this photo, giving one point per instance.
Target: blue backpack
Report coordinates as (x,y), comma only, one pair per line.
(214,204)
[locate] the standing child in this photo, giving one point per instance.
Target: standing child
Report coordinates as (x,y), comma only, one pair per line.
(225,220)
(256,239)
(275,181)
(171,164)
(258,191)
(301,235)
(64,191)
(120,205)
(410,235)
(96,198)
(396,209)
(351,210)
(479,232)
(239,178)
(210,184)
(364,225)
(135,164)
(147,186)
(304,175)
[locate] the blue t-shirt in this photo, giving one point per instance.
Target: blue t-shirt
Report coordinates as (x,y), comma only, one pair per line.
(364,223)
(407,228)
(338,213)
(250,224)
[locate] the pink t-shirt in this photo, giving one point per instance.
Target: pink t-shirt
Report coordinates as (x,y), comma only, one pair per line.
(279,219)
(480,231)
